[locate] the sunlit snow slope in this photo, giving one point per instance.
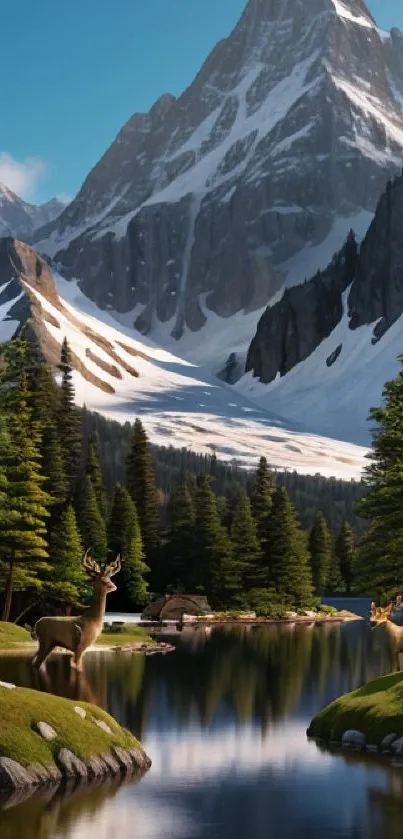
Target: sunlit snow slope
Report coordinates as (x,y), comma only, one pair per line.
(123,377)
(182,408)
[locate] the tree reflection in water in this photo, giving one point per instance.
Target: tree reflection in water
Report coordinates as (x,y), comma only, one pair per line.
(217,685)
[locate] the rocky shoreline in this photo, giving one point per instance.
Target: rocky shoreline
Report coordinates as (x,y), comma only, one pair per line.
(118,762)
(354,740)
(50,742)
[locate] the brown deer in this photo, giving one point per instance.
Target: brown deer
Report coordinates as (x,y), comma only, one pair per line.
(77,633)
(381,617)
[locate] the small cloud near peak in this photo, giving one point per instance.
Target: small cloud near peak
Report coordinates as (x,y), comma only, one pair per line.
(21,176)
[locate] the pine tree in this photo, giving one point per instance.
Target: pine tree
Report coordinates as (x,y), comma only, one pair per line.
(91,524)
(140,479)
(124,538)
(94,470)
(335,582)
(379,563)
(52,467)
(180,549)
(320,549)
(345,553)
(69,422)
(245,543)
(290,569)
(66,579)
(215,570)
(262,504)
(23,546)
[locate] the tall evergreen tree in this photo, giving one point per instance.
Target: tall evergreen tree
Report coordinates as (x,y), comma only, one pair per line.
(379,563)
(124,538)
(262,504)
(94,470)
(290,568)
(345,553)
(66,579)
(140,479)
(23,546)
(246,550)
(335,583)
(53,468)
(215,570)
(69,422)
(320,549)
(180,549)
(91,524)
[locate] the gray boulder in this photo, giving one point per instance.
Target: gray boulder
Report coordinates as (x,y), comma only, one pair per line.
(70,765)
(353,739)
(13,776)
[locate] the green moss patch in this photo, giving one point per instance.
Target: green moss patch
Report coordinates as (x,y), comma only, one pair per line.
(12,636)
(21,708)
(376,709)
(127,633)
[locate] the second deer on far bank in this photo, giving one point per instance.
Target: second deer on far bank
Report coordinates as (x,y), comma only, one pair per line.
(77,633)
(381,617)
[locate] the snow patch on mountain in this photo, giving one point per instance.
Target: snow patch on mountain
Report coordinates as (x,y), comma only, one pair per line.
(337,398)
(345,13)
(181,405)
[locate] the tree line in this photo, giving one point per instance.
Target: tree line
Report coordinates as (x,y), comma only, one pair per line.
(231,534)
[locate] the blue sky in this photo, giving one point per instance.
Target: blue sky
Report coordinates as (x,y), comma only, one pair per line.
(73,72)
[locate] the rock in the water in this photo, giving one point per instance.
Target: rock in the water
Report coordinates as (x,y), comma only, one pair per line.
(13,776)
(387,742)
(97,767)
(111,762)
(397,747)
(44,774)
(123,758)
(45,730)
(353,739)
(70,765)
(140,759)
(104,725)
(80,711)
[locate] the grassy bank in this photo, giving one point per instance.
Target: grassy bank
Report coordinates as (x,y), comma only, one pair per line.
(14,637)
(128,633)
(374,709)
(21,708)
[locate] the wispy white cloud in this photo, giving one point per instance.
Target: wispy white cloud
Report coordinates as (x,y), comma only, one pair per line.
(21,176)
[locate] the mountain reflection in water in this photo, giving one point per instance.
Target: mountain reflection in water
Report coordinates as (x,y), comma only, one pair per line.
(224,720)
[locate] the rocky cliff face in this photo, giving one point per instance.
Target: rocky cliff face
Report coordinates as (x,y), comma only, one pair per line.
(284,140)
(20,219)
(336,338)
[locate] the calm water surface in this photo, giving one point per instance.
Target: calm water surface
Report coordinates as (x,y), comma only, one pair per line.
(224,721)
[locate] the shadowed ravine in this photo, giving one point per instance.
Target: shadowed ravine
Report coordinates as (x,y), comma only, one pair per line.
(223,720)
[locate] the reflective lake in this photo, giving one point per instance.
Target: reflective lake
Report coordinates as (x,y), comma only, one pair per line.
(224,721)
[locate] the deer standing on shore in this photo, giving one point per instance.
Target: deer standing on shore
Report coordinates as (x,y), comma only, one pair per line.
(381,617)
(77,633)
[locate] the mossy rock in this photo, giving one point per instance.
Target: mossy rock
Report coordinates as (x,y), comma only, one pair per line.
(22,709)
(376,709)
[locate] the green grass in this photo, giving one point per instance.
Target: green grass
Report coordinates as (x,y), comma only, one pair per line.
(20,708)
(376,709)
(12,637)
(128,633)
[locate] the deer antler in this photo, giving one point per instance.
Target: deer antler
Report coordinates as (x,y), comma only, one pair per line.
(91,566)
(113,567)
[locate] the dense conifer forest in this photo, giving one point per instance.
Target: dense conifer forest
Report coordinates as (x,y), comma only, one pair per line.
(72,480)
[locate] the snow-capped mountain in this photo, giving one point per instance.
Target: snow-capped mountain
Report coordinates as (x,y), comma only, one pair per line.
(205,206)
(322,353)
(20,219)
(123,377)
